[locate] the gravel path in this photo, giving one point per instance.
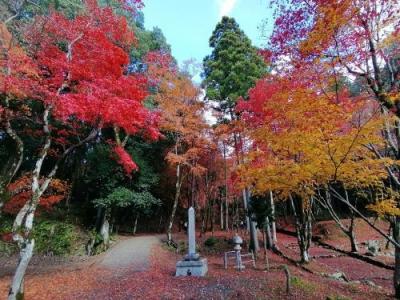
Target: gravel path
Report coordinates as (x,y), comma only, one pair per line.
(130,254)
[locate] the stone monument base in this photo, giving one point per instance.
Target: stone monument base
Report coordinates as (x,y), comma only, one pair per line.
(197,268)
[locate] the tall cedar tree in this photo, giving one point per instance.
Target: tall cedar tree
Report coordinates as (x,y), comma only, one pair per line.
(233,66)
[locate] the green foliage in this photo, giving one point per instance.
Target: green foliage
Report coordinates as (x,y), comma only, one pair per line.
(6,224)
(123,197)
(119,197)
(70,8)
(146,177)
(182,247)
(261,210)
(113,191)
(215,245)
(96,243)
(103,174)
(234,65)
(299,283)
(337,297)
(211,241)
(57,238)
(144,202)
(7,249)
(30,9)
(150,40)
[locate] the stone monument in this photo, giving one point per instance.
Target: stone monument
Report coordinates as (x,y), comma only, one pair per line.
(192,264)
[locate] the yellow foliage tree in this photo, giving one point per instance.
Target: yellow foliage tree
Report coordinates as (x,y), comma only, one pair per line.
(303,141)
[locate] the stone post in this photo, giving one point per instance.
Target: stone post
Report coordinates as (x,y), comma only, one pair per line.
(192,255)
(192,264)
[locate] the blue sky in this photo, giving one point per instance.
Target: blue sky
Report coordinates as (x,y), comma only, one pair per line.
(188,24)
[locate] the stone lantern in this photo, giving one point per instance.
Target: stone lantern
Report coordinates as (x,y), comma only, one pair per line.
(238,241)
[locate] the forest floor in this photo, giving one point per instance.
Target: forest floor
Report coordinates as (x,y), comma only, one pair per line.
(149,268)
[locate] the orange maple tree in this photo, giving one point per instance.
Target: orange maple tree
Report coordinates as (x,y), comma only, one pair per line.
(181,118)
(20,192)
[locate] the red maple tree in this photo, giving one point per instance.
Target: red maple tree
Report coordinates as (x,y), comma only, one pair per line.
(85,87)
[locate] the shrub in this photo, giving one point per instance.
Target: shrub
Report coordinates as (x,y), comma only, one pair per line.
(7,249)
(337,297)
(51,237)
(211,241)
(302,284)
(6,225)
(54,237)
(182,247)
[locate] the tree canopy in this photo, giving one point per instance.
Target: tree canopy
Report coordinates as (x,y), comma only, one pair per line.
(233,66)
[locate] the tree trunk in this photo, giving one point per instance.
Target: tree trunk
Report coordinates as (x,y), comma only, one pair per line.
(226,192)
(105,234)
(273,224)
(99,218)
(396,277)
(264,240)
(390,233)
(237,214)
(254,245)
(176,201)
(11,167)
(349,230)
(171,219)
(203,221)
(16,291)
(352,237)
(221,211)
(3,195)
(212,217)
(160,225)
(304,255)
(135,224)
(226,214)
(303,228)
(270,240)
(245,205)
(209,215)
(353,242)
(309,228)
(23,222)
(178,185)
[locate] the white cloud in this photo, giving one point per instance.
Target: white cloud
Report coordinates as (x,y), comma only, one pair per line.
(225,7)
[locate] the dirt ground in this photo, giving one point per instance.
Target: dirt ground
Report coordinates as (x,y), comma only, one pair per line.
(93,279)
